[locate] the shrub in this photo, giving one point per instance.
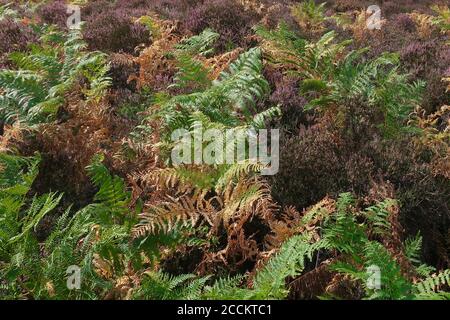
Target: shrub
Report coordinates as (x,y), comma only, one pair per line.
(112,29)
(329,160)
(405,23)
(54,12)
(122,67)
(319,166)
(428,60)
(229,18)
(14,36)
(286,95)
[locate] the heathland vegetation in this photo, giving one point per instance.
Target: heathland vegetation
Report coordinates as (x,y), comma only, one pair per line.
(93,207)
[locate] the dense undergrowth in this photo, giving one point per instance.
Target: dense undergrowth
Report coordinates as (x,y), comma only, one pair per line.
(87,181)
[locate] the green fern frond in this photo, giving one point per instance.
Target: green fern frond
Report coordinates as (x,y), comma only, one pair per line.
(111,191)
(432,283)
(269,282)
(259,119)
(199,44)
(151,25)
(226,289)
(36,90)
(309,14)
(378,216)
(191,74)
(226,101)
(393,284)
(161,286)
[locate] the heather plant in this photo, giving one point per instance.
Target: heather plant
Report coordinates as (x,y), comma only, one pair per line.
(54,12)
(14,36)
(320,169)
(428,60)
(112,29)
(286,96)
(91,182)
(228,18)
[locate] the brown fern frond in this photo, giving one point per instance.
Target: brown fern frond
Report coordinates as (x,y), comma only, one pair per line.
(12,135)
(181,211)
(246,198)
(219,63)
(293,222)
(344,287)
(181,179)
(239,248)
(156,67)
(311,284)
(435,137)
(122,59)
(238,171)
(424,23)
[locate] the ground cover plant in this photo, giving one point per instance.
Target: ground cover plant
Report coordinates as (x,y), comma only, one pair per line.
(94,205)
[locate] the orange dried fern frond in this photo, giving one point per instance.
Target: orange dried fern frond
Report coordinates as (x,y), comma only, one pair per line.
(193,206)
(12,135)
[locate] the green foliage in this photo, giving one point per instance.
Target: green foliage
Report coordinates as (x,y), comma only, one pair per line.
(199,44)
(427,288)
(161,286)
(21,254)
(379,83)
(360,254)
(307,60)
(150,24)
(111,196)
(270,281)
(228,288)
(36,90)
(309,14)
(7,12)
(443,17)
(378,217)
(350,238)
(19,217)
(192,74)
(331,78)
(234,91)
(413,250)
(393,284)
(16,177)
